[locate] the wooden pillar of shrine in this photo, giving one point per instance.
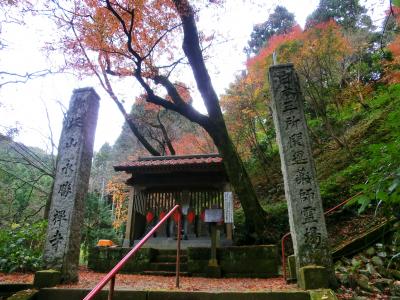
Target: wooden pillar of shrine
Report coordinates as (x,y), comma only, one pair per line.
(131,212)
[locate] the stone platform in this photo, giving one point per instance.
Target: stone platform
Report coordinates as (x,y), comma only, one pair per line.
(234,261)
(170,243)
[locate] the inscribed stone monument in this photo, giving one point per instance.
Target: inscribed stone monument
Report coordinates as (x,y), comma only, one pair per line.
(74,161)
(306,217)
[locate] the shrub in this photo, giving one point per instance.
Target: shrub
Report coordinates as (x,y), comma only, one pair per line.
(21,247)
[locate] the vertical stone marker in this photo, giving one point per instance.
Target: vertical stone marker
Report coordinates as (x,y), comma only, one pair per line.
(306,217)
(74,161)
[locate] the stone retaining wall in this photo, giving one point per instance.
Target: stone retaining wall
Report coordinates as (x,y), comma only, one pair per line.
(103,259)
(244,261)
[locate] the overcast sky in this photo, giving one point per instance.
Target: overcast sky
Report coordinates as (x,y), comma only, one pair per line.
(24,104)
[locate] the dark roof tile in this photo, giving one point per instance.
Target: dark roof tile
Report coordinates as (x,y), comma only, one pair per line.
(171,162)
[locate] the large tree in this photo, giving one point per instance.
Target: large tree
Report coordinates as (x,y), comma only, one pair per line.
(138,40)
(280,21)
(348,13)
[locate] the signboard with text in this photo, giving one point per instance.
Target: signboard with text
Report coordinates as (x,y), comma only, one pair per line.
(228,207)
(213,215)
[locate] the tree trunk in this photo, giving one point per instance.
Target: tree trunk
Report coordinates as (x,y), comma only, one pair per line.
(215,125)
(254,214)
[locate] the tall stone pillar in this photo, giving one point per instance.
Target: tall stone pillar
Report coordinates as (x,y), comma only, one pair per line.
(306,217)
(74,161)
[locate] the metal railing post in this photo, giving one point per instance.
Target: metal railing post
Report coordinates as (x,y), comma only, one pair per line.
(178,249)
(111,290)
(111,275)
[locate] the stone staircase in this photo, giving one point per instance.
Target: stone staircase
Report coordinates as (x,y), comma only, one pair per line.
(79,294)
(164,263)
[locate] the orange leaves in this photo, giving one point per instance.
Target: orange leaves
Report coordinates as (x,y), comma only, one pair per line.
(88,279)
(293,47)
(394,47)
(393,67)
(147,106)
(244,107)
(143,30)
(326,38)
(119,199)
(194,143)
(273,43)
(183,91)
(257,66)
(318,53)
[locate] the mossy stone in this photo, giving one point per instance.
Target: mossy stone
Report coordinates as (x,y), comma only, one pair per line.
(377,261)
(214,271)
(23,295)
(291,261)
(313,277)
(322,294)
(370,251)
(46,278)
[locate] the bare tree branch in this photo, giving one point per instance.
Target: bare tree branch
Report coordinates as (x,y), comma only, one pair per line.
(160,39)
(127,32)
(34,213)
(40,189)
(165,135)
(9,77)
(128,118)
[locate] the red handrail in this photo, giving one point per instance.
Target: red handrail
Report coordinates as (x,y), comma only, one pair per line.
(111,275)
(283,240)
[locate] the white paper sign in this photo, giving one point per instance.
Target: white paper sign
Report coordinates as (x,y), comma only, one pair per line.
(185,209)
(213,215)
(228,207)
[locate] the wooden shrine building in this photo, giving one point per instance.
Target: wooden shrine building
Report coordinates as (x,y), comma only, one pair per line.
(196,182)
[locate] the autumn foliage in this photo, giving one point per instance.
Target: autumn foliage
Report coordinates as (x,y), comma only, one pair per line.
(102,33)
(393,66)
(119,194)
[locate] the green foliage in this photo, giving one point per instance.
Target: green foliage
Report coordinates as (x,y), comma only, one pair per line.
(277,220)
(25,181)
(280,21)
(21,247)
(349,14)
(375,170)
(97,223)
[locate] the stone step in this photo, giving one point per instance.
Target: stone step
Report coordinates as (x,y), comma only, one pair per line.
(169,258)
(79,294)
(164,273)
(8,289)
(165,266)
(170,252)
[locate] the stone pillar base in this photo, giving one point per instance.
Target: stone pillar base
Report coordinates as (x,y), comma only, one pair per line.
(313,277)
(46,278)
(126,243)
(291,261)
(214,271)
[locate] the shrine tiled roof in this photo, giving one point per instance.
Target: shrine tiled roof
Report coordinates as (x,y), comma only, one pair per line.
(155,163)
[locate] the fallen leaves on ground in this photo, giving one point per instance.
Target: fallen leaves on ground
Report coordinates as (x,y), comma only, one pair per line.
(16,277)
(88,279)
